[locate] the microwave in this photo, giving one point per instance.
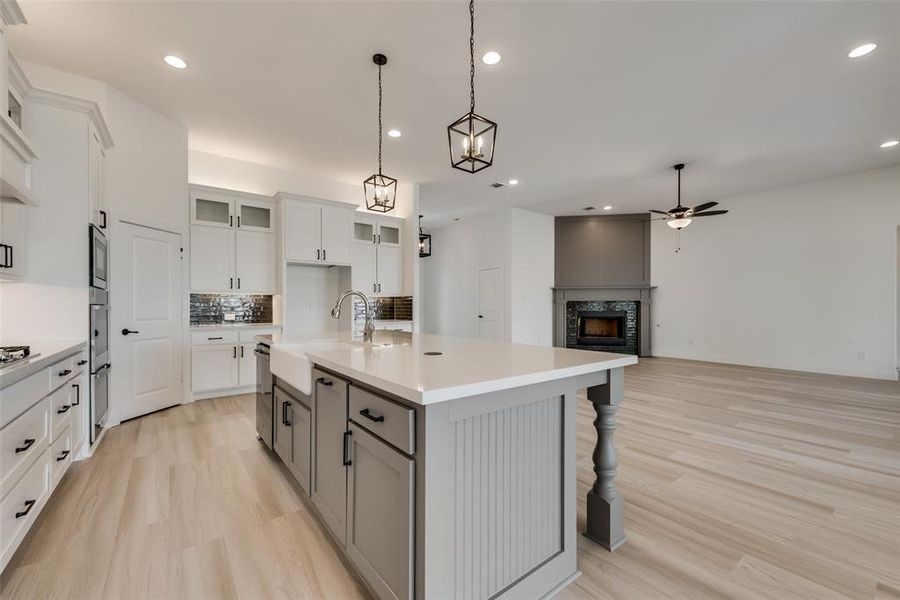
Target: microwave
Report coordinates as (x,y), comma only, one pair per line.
(99,260)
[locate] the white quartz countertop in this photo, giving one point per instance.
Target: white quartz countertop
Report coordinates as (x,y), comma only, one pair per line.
(213,326)
(396,362)
(43,354)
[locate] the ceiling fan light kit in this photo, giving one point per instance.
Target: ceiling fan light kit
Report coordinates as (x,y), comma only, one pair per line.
(380,190)
(472,136)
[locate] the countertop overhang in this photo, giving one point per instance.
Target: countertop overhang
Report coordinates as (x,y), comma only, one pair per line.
(43,354)
(400,363)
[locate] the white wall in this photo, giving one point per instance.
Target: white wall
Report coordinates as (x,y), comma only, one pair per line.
(519,241)
(801,277)
(531,277)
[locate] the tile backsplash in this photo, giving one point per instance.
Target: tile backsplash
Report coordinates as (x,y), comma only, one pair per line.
(210,309)
(392,308)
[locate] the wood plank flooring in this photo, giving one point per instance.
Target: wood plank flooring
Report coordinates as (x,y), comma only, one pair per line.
(738,483)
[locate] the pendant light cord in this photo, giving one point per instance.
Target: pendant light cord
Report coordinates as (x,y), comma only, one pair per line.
(379,120)
(472,55)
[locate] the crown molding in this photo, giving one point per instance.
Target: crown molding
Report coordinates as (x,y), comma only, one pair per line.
(17,78)
(17,140)
(11,13)
(64,101)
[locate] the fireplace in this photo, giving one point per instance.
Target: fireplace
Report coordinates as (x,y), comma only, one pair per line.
(601,328)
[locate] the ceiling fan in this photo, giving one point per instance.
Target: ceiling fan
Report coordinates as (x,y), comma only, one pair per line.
(681,216)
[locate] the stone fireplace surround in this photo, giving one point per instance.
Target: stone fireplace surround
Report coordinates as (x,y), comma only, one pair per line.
(635,301)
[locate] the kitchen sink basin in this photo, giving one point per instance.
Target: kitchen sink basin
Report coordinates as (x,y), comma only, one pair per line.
(290,362)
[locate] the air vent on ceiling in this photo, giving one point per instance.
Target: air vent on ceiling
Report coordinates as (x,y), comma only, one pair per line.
(496,184)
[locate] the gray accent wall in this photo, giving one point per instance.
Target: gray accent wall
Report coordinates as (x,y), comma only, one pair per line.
(602,251)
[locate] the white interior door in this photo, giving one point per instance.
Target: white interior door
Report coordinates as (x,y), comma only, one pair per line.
(490,303)
(146,299)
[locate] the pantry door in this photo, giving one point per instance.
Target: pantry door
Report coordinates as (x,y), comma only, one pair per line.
(490,303)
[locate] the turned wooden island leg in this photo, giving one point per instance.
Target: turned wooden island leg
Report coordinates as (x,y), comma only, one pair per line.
(605,510)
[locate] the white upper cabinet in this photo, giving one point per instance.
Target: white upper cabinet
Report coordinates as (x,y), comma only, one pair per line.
(212,259)
(96,156)
(12,240)
(377,255)
(316,231)
(232,242)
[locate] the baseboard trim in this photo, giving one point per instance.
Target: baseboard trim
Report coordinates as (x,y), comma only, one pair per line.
(247,389)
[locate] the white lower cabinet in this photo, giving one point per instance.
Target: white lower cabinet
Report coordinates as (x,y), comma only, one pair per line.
(380,528)
(21,506)
(60,456)
(214,367)
(246,365)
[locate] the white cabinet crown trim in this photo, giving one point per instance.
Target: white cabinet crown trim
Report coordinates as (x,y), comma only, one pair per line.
(67,102)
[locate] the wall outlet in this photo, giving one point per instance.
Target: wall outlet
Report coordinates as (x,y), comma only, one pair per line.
(230,316)
(861,355)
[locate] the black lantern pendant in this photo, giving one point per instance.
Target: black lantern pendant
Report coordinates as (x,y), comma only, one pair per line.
(424,241)
(380,190)
(472,136)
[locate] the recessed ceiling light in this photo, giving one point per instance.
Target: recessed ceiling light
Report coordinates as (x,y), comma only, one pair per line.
(890,143)
(491,58)
(862,50)
(513,182)
(394,133)
(607,207)
(175,61)
(588,208)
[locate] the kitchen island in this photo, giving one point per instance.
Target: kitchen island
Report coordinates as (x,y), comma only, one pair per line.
(445,467)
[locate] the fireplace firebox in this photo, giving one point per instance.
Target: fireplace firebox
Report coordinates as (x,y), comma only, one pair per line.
(601,328)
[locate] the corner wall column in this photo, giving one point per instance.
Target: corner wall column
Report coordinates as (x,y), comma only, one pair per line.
(605,510)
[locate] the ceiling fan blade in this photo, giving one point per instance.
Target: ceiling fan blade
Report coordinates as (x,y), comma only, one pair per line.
(678,209)
(659,212)
(710,213)
(704,206)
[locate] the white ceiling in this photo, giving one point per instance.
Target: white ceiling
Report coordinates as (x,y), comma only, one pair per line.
(594,100)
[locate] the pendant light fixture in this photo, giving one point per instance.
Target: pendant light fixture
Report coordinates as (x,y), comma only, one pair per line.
(424,241)
(380,190)
(472,136)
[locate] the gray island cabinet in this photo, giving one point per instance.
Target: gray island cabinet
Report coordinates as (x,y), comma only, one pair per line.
(451,475)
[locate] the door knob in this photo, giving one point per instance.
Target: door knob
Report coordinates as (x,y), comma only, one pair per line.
(480,316)
(126,331)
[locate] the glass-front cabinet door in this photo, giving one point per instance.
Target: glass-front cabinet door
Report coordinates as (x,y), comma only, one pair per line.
(212,211)
(255,216)
(364,231)
(389,234)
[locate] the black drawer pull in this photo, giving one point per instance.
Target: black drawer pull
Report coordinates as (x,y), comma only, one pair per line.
(64,373)
(62,456)
(324,381)
(82,363)
(365,412)
(214,338)
(347,461)
(284,407)
(28,505)
(63,409)
(77,394)
(28,444)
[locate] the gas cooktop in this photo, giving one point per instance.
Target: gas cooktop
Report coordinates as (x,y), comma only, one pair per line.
(12,354)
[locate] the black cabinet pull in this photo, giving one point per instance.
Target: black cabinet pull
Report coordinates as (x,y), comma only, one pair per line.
(324,381)
(6,264)
(64,373)
(365,412)
(28,505)
(234,352)
(230,221)
(323,254)
(63,409)
(62,456)
(239,283)
(318,254)
(347,461)
(239,220)
(82,363)
(11,257)
(231,283)
(126,331)
(284,419)
(103,223)
(214,338)
(242,352)
(29,442)
(77,394)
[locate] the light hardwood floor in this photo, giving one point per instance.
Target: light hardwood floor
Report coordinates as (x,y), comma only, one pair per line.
(738,483)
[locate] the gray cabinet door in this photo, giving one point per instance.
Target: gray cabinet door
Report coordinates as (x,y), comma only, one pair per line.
(301,427)
(380,529)
(329,487)
(283,442)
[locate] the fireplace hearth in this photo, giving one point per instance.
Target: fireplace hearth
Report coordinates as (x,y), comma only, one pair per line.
(605,325)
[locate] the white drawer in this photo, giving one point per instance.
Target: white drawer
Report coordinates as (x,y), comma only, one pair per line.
(21,441)
(249,335)
(81,361)
(20,507)
(60,456)
(61,372)
(202,338)
(61,404)
(21,396)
